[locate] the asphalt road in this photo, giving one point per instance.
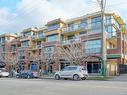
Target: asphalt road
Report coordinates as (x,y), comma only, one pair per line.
(61,87)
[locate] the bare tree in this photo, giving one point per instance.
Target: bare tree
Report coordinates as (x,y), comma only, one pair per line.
(2,57)
(73,53)
(12,58)
(48,57)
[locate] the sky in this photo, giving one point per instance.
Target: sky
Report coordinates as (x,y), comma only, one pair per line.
(16,15)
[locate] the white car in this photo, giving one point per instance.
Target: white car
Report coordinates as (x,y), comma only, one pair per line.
(72,72)
(4,73)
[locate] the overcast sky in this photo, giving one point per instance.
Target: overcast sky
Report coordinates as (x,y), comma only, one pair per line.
(16,15)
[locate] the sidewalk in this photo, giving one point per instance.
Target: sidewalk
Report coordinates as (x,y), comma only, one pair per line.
(122,77)
(89,77)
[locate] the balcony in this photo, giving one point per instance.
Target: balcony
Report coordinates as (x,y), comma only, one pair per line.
(93,51)
(67,42)
(24,38)
(38,46)
(77,27)
(38,37)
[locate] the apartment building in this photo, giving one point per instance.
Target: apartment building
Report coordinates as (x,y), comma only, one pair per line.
(5,46)
(87,31)
(38,47)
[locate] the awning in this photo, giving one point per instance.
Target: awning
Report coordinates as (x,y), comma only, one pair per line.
(113,56)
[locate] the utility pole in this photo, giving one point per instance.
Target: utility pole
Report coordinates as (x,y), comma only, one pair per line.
(102,4)
(104,47)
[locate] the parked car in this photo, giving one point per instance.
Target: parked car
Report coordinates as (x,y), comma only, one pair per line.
(72,72)
(27,74)
(4,72)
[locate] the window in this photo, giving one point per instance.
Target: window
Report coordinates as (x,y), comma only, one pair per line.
(53,27)
(72,68)
(108,20)
(3,48)
(48,52)
(3,40)
(111,31)
(13,47)
(40,35)
(25,34)
(83,25)
(96,24)
(38,44)
(71,27)
(52,38)
(49,49)
(93,46)
(25,44)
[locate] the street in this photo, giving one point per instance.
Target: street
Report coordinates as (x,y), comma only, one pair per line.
(61,87)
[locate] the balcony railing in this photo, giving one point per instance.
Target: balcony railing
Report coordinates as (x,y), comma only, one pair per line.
(66,42)
(38,46)
(38,36)
(74,28)
(92,51)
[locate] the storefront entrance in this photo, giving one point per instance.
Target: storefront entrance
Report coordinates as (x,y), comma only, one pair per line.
(94,67)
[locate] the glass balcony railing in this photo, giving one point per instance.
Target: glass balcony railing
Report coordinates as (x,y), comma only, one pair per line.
(65,42)
(92,51)
(74,28)
(38,36)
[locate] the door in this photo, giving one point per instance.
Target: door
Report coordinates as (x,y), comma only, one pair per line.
(65,73)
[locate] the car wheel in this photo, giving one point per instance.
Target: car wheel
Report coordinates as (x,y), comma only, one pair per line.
(76,77)
(17,77)
(28,76)
(57,77)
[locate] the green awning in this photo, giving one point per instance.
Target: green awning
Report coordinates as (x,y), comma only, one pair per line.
(113,56)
